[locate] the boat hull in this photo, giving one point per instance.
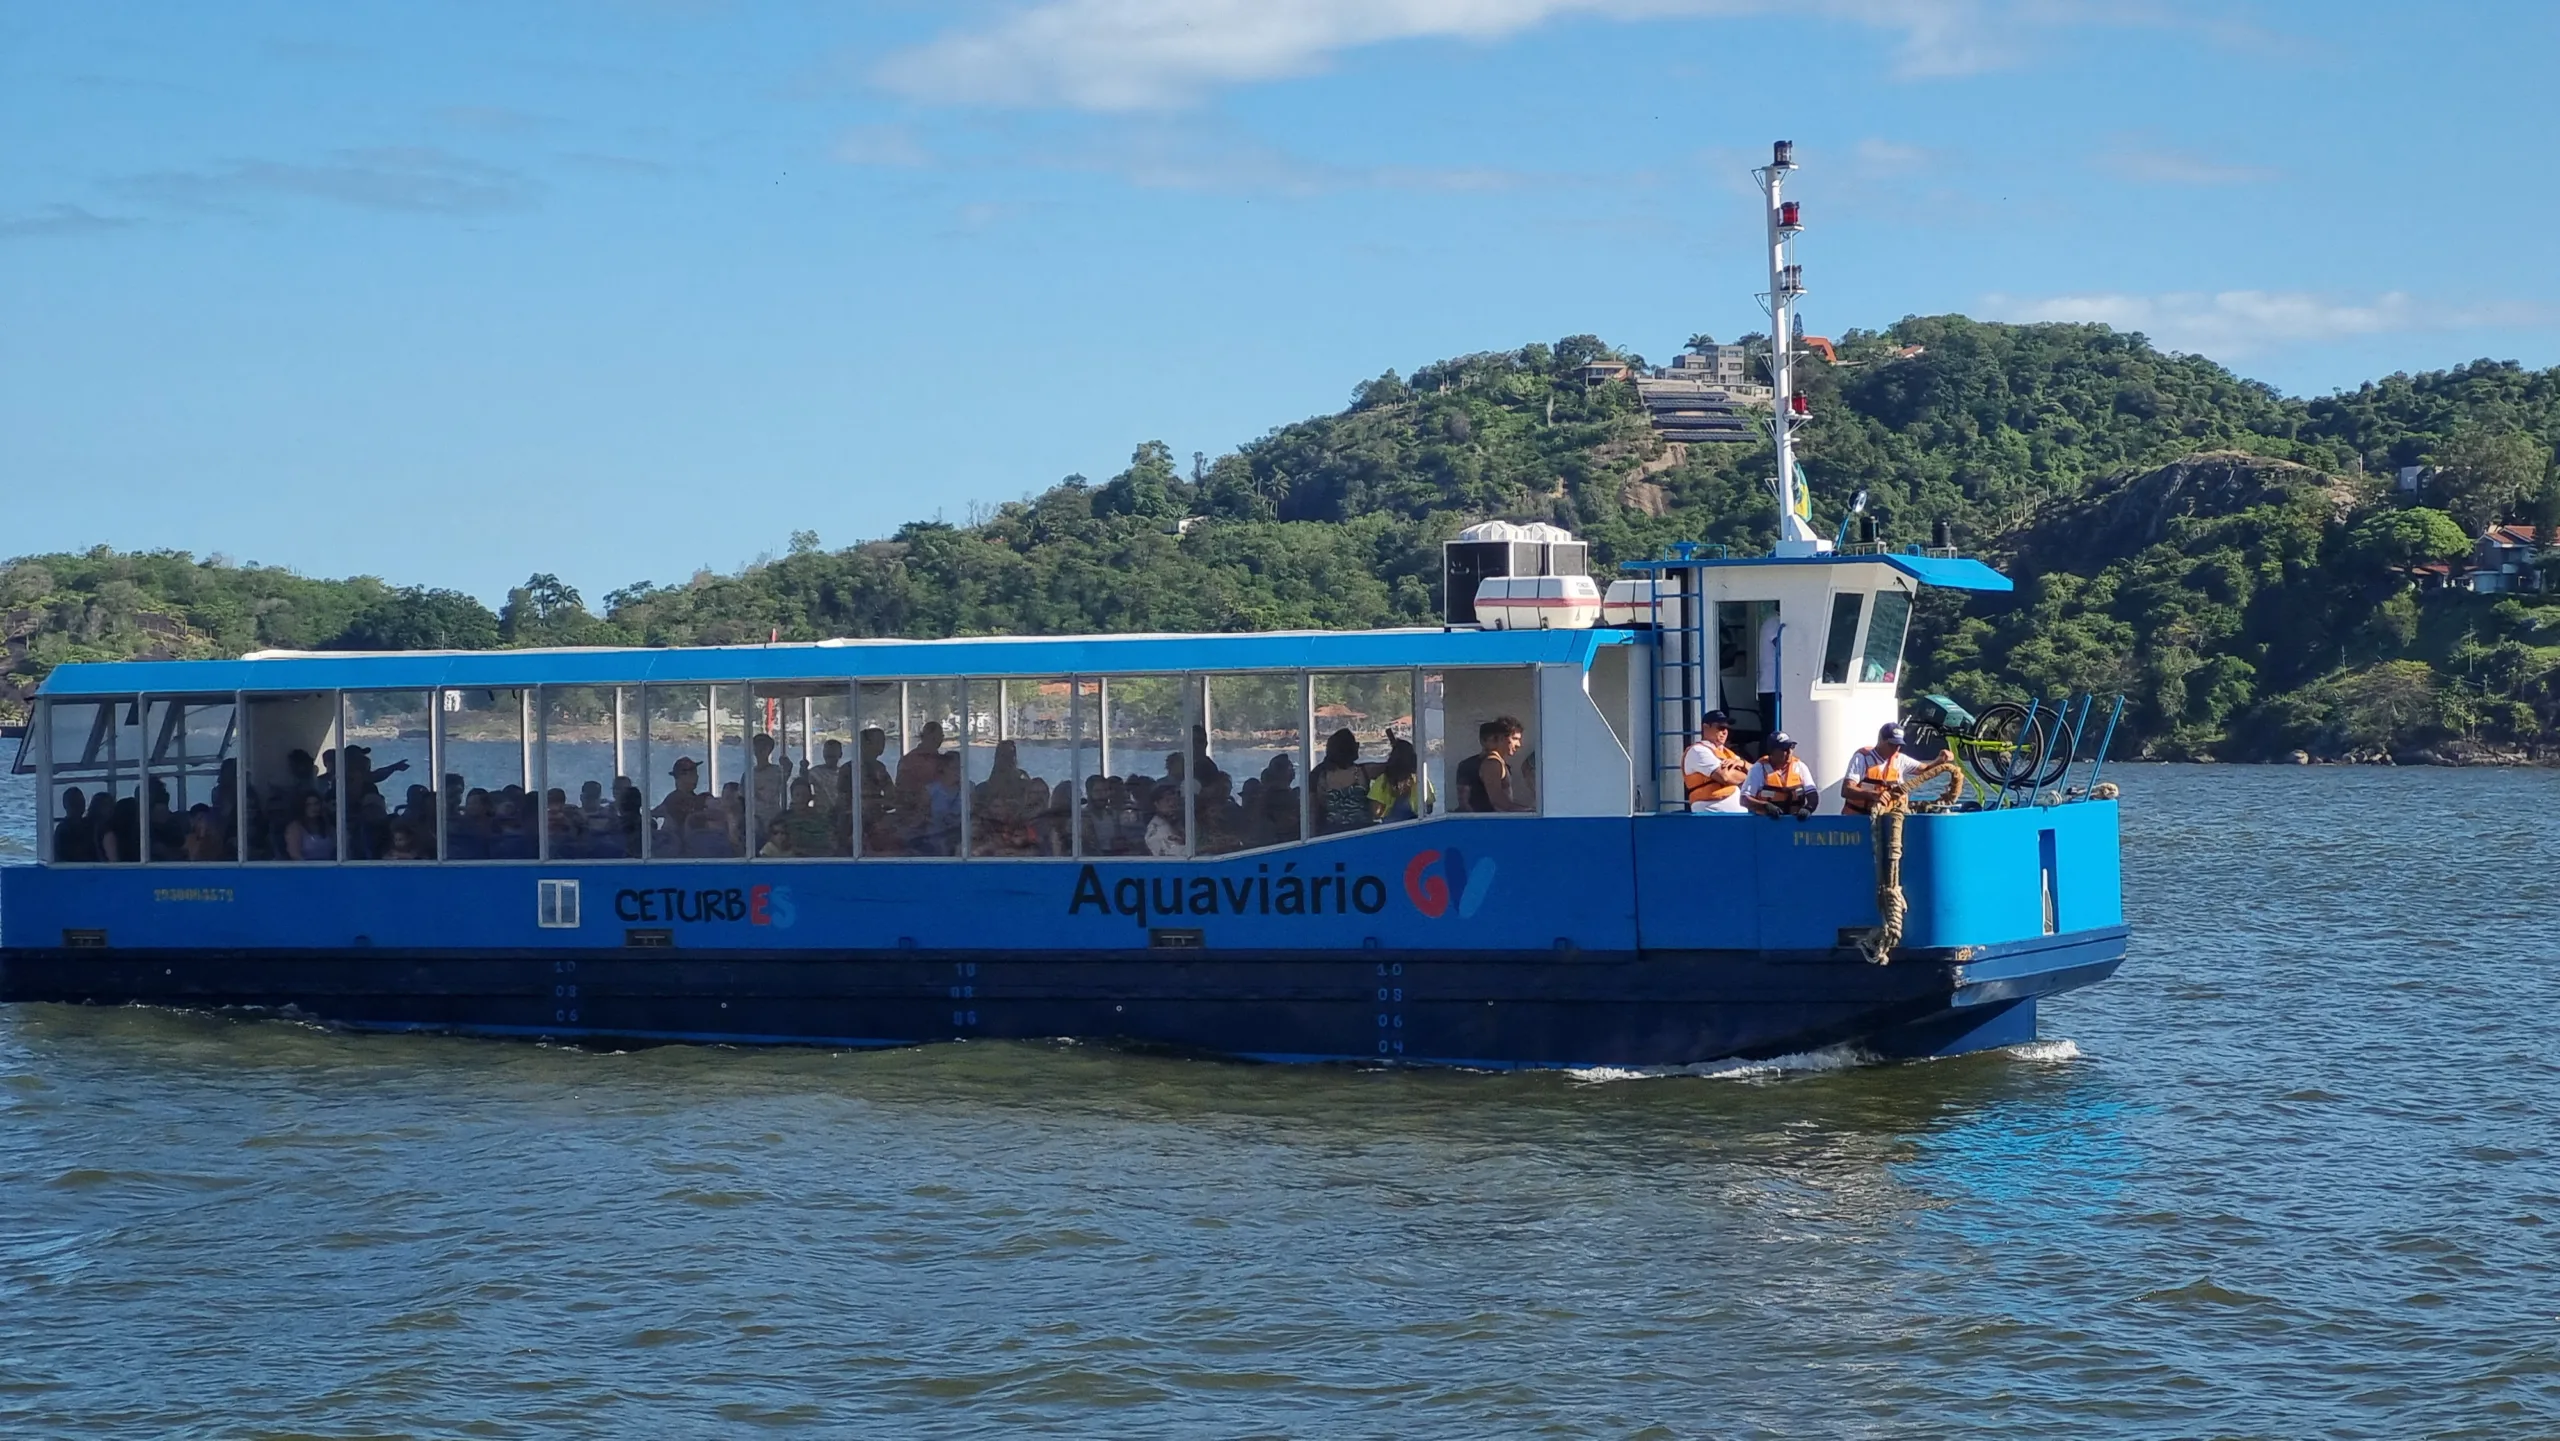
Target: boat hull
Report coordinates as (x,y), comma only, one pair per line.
(1634,942)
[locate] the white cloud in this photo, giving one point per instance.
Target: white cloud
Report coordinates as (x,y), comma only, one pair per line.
(890,145)
(2232,323)
(1122,55)
(2179,167)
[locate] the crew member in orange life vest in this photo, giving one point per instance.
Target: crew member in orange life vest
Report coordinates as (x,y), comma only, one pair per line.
(1880,770)
(1779,784)
(1711,772)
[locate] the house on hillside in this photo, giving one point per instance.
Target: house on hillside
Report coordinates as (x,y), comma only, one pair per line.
(1600,370)
(2502,562)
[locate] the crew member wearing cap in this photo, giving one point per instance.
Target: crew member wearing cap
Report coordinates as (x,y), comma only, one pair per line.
(1711,772)
(1881,770)
(1779,784)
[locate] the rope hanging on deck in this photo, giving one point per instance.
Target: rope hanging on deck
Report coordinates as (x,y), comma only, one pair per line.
(1891,908)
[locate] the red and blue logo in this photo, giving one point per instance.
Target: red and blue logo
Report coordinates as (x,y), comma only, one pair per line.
(1432,879)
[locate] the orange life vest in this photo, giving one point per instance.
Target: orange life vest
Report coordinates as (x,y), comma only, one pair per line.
(1711,786)
(1853,804)
(1779,787)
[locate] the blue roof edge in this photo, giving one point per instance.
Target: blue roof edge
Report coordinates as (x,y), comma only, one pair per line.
(973,656)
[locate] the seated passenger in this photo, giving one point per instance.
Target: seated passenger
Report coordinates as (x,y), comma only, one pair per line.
(1484,779)
(777,841)
(310,837)
(1881,770)
(566,824)
(806,827)
(704,836)
(1396,795)
(510,829)
(204,836)
(1778,784)
(1711,772)
(1220,817)
(918,770)
(1340,786)
(75,839)
(469,832)
(940,810)
(1164,830)
(406,844)
(591,804)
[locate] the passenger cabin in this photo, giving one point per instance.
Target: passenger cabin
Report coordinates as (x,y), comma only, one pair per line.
(1145,747)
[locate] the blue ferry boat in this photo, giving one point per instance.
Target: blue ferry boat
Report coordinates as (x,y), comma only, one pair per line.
(1264,845)
(1470,845)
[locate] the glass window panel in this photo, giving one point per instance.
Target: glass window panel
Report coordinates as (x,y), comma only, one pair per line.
(1883,660)
(97,752)
(489,805)
(391,799)
(1147,716)
(1366,770)
(1020,767)
(798,784)
(580,767)
(1256,740)
(1844,636)
(189,740)
(681,823)
(880,712)
(927,784)
(292,803)
(1479,704)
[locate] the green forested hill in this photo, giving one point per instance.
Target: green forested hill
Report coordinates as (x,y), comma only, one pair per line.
(2236,561)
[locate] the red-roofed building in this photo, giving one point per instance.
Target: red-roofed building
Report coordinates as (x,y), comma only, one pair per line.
(2502,562)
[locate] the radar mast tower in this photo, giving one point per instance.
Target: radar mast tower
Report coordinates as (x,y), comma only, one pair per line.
(1787,409)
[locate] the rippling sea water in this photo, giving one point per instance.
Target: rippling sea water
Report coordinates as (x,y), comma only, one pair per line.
(2295,1172)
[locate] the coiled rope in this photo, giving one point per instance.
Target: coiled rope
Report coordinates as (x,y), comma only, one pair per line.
(1891,907)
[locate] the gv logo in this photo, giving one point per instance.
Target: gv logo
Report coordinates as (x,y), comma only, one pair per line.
(1431,876)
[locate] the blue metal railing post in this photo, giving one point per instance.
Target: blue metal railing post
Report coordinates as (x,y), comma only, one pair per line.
(2026,732)
(2098,762)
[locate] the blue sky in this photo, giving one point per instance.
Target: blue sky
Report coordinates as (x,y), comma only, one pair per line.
(622,288)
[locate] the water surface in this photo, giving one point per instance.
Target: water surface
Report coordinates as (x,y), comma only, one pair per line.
(2292,1174)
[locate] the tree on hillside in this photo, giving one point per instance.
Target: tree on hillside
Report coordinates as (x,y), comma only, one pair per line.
(2392,542)
(417,618)
(2483,475)
(1150,488)
(1700,343)
(545,610)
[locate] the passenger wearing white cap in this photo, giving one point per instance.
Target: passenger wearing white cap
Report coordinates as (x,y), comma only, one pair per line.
(1881,770)
(1710,772)
(1779,784)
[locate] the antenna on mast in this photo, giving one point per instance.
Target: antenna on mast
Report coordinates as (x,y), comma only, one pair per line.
(1787,410)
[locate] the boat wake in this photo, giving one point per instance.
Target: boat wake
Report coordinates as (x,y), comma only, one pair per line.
(1829,1058)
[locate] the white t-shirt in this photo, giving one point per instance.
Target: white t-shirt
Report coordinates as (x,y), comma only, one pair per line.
(1702,760)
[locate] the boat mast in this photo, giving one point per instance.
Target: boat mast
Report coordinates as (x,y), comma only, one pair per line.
(1787,410)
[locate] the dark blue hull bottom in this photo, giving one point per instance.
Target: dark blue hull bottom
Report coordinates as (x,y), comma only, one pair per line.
(1562,1008)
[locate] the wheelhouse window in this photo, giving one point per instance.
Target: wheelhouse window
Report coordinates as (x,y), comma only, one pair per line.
(1882,662)
(1840,647)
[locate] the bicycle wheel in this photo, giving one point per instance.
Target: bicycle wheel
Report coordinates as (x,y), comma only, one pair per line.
(2009,747)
